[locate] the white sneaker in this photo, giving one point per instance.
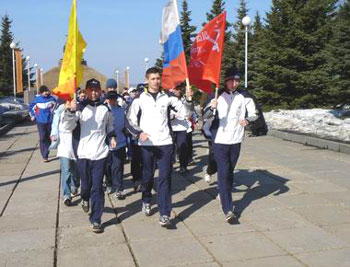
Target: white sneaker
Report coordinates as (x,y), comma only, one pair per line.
(207,178)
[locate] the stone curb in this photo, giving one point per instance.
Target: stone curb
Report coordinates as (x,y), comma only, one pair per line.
(311,141)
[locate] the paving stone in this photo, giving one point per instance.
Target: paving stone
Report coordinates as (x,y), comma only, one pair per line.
(27,221)
(240,246)
(215,225)
(320,187)
(107,256)
(83,237)
(336,257)
(342,231)
(305,239)
(285,261)
(200,264)
(148,230)
(27,240)
(34,258)
(303,200)
(169,252)
(272,219)
(327,215)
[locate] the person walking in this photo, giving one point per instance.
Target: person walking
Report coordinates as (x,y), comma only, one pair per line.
(41,110)
(70,179)
(227,131)
(96,124)
(148,120)
(116,156)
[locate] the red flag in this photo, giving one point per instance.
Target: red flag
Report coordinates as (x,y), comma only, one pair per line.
(206,53)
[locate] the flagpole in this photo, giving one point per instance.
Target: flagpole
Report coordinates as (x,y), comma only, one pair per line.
(188,86)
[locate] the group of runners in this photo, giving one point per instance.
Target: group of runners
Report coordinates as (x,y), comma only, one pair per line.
(97,131)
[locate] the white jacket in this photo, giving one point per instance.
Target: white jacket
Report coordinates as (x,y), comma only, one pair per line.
(178,121)
(96,121)
(152,117)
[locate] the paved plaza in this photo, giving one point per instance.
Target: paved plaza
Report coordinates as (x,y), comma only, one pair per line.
(293,203)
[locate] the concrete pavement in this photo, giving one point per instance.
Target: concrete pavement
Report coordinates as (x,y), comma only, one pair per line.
(293,201)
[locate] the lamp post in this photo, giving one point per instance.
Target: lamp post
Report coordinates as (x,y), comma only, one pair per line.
(42,76)
(13,46)
(127,77)
(36,78)
(246,22)
(146,63)
(28,71)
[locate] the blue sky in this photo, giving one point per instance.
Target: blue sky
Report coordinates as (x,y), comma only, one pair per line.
(119,33)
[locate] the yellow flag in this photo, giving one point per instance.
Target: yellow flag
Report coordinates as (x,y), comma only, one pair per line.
(71,73)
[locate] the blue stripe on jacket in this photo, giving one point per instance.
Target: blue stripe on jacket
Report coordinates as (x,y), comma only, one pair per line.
(42,108)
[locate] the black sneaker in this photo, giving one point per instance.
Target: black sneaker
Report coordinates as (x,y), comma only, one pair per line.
(119,195)
(183,170)
(229,216)
(146,209)
(164,221)
(74,193)
(67,202)
(96,227)
(137,187)
(85,206)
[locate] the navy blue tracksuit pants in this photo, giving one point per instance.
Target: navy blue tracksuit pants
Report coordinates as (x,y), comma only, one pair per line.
(115,169)
(44,130)
(136,162)
(150,156)
(91,174)
(226,157)
(182,147)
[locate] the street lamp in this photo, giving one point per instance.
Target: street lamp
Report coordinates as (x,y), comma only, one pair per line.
(28,71)
(246,22)
(13,46)
(41,76)
(117,74)
(127,77)
(36,78)
(146,63)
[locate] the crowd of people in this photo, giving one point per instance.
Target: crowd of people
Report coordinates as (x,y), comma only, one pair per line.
(96,132)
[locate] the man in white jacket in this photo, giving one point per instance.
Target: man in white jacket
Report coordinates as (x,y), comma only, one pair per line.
(227,131)
(96,123)
(148,120)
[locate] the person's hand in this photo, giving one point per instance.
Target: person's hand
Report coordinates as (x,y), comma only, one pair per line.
(189,94)
(32,118)
(143,137)
(243,123)
(53,138)
(214,103)
(113,142)
(73,105)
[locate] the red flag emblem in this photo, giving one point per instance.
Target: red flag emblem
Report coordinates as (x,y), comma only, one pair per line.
(206,54)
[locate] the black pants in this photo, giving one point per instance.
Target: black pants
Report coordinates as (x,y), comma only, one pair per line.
(91,174)
(44,130)
(226,157)
(163,155)
(182,147)
(212,167)
(136,162)
(115,169)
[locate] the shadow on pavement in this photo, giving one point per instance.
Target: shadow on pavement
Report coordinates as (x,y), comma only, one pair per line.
(30,177)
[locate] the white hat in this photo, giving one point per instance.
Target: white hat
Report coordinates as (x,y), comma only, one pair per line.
(131,89)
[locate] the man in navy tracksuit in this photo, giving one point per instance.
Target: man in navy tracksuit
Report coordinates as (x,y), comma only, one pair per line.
(153,132)
(96,124)
(41,110)
(227,131)
(116,156)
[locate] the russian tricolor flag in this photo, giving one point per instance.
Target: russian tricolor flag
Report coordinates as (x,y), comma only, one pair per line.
(174,68)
